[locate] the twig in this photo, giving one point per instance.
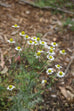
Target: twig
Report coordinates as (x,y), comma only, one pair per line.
(48,33)
(71,60)
(46,7)
(5,5)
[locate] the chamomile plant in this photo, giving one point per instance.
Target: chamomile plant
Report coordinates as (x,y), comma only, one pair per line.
(30,42)
(37,58)
(15,26)
(10,87)
(58,66)
(54,44)
(63,52)
(49,71)
(18,48)
(60,74)
(51,52)
(22,34)
(11,40)
(27,37)
(34,38)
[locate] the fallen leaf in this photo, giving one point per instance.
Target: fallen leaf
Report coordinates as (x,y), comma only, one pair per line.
(15,32)
(4,70)
(67,94)
(70,89)
(63,91)
(71,96)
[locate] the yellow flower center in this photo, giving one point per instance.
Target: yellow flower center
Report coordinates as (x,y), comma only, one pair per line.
(42,42)
(38,39)
(40,50)
(15,25)
(54,43)
(26,36)
(38,53)
(30,41)
(51,50)
(10,86)
(11,40)
(49,70)
(18,47)
(51,47)
(50,57)
(34,37)
(45,81)
(63,51)
(58,65)
(35,42)
(23,32)
(60,73)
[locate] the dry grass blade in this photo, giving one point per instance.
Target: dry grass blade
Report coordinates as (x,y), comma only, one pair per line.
(2,60)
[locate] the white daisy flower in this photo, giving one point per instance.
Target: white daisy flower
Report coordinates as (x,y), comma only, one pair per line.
(10,87)
(30,42)
(26,37)
(36,43)
(18,48)
(40,51)
(63,52)
(50,47)
(50,57)
(37,55)
(15,26)
(22,34)
(38,40)
(44,81)
(58,66)
(49,71)
(60,74)
(54,44)
(43,43)
(51,52)
(34,38)
(11,40)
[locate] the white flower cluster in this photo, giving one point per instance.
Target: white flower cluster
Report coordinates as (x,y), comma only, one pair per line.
(49,51)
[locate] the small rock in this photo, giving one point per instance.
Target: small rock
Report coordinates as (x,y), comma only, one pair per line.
(53,95)
(27,12)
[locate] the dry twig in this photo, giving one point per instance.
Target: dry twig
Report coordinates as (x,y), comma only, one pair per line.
(4,5)
(71,60)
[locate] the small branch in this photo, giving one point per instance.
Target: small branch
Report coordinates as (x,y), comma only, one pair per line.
(46,7)
(71,60)
(4,5)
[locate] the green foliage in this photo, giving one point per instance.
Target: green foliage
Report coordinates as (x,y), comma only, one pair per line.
(26,98)
(55,3)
